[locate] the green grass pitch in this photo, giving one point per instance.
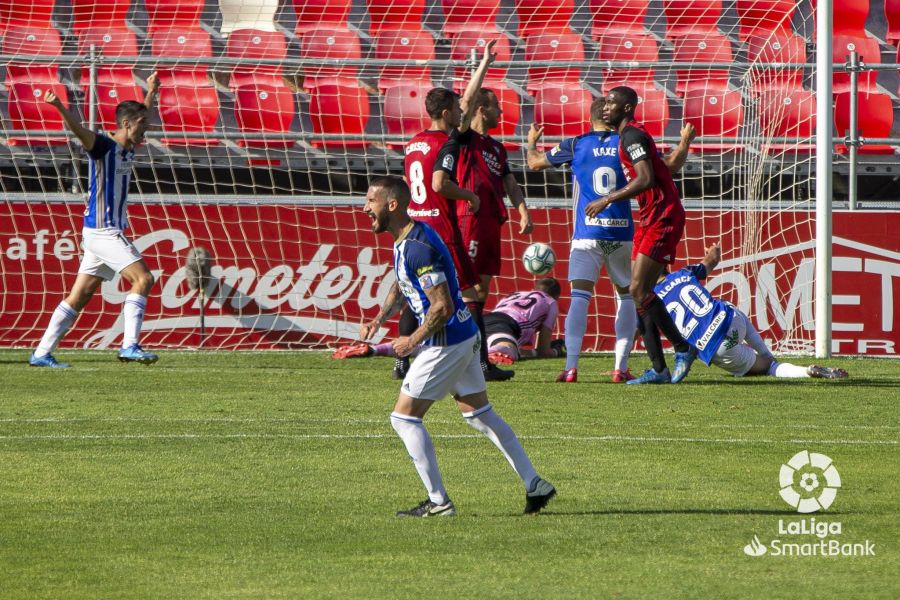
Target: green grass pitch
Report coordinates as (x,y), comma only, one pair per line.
(276,475)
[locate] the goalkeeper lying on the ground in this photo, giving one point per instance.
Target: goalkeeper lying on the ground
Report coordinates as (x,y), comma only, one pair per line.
(721,332)
(519,320)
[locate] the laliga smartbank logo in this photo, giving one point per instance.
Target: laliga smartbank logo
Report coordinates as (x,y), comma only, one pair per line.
(809,482)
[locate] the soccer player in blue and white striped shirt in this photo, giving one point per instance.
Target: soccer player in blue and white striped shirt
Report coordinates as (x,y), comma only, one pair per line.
(449,363)
(106,249)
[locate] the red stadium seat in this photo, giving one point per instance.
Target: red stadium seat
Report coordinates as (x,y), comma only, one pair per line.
(786,113)
(252,44)
(404,45)
(187,100)
(775,48)
(715,112)
(28,111)
(562,47)
(652,109)
(339,107)
(708,47)
(27,42)
(333,44)
(466,40)
(34,13)
(173,14)
(110,42)
(404,109)
(264,108)
(875,119)
(892,15)
(88,15)
(563,110)
(763,17)
(395,14)
(691,16)
(109,95)
(869,52)
(618,16)
(468,14)
(627,46)
(313,14)
(538,17)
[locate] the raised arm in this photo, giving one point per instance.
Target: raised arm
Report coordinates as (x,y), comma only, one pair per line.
(678,156)
(518,201)
(466,103)
(537,160)
(713,257)
(85,135)
(152,89)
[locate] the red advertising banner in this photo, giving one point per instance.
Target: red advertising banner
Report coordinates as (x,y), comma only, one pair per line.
(291,276)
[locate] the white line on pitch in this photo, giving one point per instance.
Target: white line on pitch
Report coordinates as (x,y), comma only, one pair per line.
(326,436)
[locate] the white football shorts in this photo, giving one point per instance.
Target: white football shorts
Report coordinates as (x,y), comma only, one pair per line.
(442,370)
(740,358)
(587,258)
(106,252)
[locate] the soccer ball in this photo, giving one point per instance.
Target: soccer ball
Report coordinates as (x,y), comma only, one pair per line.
(538,258)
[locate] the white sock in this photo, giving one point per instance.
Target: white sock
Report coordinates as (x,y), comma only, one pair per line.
(576,323)
(501,434)
(787,370)
(418,444)
(133,311)
(509,351)
(63,317)
(626,326)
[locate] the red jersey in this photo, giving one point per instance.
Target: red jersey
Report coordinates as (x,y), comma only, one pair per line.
(481,167)
(662,201)
(424,155)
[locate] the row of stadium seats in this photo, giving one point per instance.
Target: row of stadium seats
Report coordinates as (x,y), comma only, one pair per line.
(535,17)
(342,107)
(342,44)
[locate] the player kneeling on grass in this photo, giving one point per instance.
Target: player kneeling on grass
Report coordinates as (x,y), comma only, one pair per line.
(519,320)
(722,333)
(106,249)
(449,363)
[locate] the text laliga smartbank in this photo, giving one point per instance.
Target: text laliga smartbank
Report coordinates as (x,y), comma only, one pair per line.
(822,547)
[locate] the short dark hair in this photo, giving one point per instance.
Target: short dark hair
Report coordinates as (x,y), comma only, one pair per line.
(129,109)
(437,100)
(628,94)
(393,187)
(483,98)
(597,107)
(550,286)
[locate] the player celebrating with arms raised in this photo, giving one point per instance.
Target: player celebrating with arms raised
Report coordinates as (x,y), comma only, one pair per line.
(434,195)
(656,240)
(450,362)
(106,249)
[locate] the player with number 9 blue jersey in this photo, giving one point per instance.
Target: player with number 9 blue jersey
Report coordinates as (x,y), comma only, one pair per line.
(596,171)
(702,319)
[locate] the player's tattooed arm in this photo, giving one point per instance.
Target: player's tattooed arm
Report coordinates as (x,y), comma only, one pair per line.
(152,89)
(678,156)
(466,103)
(392,305)
(439,312)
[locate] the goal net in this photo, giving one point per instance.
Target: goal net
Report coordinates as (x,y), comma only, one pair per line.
(272,117)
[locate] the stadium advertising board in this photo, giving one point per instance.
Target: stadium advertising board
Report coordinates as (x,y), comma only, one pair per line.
(290,276)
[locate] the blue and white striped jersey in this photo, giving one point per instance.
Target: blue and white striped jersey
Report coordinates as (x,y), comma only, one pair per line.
(596,172)
(702,319)
(422,261)
(109,175)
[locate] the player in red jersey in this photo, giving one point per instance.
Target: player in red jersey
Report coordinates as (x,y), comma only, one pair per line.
(656,240)
(480,165)
(435,197)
